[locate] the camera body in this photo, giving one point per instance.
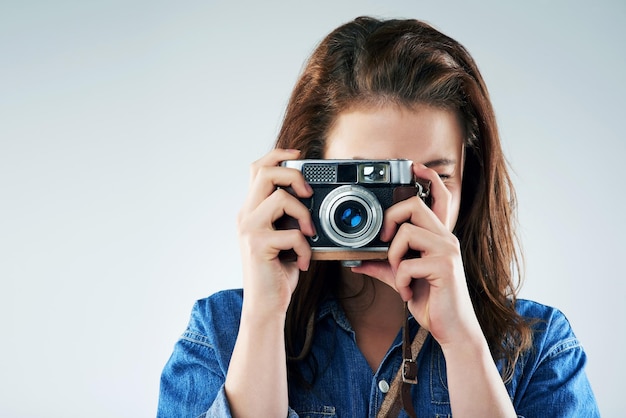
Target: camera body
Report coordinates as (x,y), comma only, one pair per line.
(348,202)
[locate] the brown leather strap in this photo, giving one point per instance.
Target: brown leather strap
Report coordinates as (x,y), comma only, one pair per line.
(409,367)
(399,394)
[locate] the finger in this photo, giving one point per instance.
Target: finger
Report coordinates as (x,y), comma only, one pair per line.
(270,243)
(411,237)
(441,258)
(414,276)
(279,204)
(272,159)
(412,210)
(440,196)
(380,270)
(269,178)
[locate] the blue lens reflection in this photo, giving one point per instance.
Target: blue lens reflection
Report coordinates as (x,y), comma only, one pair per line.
(351,217)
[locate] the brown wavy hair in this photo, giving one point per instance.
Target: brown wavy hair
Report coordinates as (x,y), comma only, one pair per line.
(408,62)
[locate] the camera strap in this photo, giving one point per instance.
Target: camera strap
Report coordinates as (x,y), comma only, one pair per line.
(399,394)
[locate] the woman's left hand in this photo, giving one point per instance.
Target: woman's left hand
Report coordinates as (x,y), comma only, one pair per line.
(434,284)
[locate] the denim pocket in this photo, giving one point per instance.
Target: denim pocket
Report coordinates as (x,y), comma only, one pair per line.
(318,412)
(438,377)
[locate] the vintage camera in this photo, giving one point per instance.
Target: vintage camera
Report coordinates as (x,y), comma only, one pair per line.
(348,202)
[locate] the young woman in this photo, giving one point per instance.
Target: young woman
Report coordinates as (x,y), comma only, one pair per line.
(314,338)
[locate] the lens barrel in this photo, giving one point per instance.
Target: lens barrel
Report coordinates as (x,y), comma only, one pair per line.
(351,216)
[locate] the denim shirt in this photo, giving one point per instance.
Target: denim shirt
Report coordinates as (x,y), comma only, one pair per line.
(549,380)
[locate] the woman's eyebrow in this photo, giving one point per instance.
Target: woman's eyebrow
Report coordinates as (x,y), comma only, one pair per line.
(440,162)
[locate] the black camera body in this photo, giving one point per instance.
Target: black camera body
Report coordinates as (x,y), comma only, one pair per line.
(348,202)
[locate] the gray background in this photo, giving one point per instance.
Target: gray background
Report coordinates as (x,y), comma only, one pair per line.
(127,129)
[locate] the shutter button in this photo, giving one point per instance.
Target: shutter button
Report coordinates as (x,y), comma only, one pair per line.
(383,386)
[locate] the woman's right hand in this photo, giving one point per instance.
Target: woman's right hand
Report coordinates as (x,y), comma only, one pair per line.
(270,281)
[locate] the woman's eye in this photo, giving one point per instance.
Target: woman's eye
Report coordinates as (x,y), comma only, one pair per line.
(444,176)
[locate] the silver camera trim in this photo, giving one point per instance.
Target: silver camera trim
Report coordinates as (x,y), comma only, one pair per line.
(400,171)
(347,193)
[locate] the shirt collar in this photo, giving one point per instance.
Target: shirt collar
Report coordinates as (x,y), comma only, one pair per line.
(332,308)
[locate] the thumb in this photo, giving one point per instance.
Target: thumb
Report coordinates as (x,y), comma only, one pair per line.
(380,270)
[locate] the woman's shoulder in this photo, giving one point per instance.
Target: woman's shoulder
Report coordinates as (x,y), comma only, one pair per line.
(553,332)
(537,312)
(531,309)
(550,379)
(217,314)
(222,302)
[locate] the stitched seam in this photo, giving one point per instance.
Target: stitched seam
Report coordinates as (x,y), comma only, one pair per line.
(435,372)
(563,346)
(327,410)
(195,338)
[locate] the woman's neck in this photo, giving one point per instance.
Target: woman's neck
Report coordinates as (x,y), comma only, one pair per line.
(375,311)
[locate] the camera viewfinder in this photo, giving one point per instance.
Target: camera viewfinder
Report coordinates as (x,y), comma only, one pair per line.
(373,173)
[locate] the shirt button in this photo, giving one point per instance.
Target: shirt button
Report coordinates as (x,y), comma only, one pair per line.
(383,386)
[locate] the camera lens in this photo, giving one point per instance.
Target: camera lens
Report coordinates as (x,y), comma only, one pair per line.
(350,216)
